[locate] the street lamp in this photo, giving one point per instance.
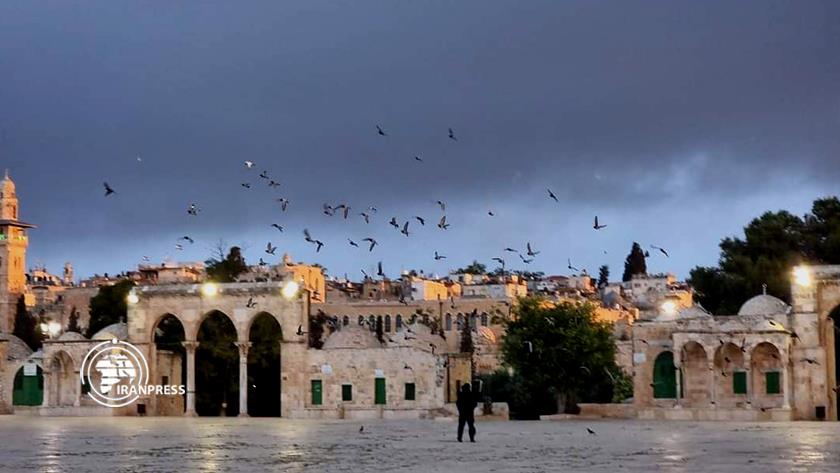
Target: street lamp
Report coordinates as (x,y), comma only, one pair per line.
(802,276)
(132,298)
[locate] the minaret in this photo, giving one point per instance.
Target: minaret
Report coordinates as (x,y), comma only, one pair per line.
(13,243)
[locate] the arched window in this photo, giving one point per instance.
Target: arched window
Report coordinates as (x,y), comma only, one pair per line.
(460,319)
(346,321)
(448,321)
(473,322)
(372,322)
(399,323)
(664,376)
(484,319)
(387,323)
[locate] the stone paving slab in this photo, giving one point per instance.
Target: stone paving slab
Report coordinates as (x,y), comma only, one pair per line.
(244,445)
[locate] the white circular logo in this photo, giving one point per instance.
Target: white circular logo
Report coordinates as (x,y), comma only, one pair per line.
(115,373)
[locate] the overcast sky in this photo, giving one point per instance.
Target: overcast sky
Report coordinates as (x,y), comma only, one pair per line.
(675,122)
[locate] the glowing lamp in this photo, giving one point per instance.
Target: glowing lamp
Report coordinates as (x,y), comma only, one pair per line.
(132,298)
(209,289)
(290,290)
(802,276)
(669,307)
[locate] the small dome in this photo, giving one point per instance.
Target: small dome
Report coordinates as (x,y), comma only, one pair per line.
(70,336)
(352,336)
(17,348)
(764,305)
(118,330)
(694,312)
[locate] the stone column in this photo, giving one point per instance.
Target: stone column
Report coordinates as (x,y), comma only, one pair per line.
(748,372)
(713,380)
(47,385)
(678,366)
(78,400)
(243,377)
(190,347)
(785,383)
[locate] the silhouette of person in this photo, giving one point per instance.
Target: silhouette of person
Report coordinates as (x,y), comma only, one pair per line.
(466,404)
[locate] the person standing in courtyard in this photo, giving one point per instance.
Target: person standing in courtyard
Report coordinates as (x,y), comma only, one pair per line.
(466,404)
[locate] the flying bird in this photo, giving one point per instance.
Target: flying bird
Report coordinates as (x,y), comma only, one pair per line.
(353,243)
(380,131)
(273,183)
(264,175)
(418,159)
(246,185)
(526,260)
(366,217)
(500,260)
(371,241)
(393,223)
(300,331)
(591,432)
(108,189)
(530,251)
(249,164)
(442,205)
(270,249)
(186,238)
(284,202)
(439,257)
(597,226)
(661,250)
(251,304)
(193,210)
(179,247)
(551,195)
(421,220)
(452,135)
(490,213)
(511,250)
(277,226)
(569,262)
(404,230)
(379,271)
(262,262)
(442,224)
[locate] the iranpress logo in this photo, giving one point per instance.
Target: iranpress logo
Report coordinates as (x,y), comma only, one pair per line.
(121,374)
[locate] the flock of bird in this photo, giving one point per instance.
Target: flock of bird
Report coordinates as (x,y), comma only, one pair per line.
(407,226)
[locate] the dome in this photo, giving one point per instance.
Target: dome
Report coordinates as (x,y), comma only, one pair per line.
(764,305)
(18,349)
(352,336)
(118,330)
(70,336)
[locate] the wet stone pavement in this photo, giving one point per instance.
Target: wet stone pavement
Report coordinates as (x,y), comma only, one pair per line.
(242,445)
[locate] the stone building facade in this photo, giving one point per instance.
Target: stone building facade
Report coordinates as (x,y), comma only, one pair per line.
(771,361)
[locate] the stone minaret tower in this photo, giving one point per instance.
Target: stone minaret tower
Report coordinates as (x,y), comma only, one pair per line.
(13,243)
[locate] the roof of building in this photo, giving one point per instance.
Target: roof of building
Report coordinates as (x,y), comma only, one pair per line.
(118,330)
(17,348)
(764,305)
(70,336)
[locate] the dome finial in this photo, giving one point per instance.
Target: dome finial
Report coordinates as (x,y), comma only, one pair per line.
(764,289)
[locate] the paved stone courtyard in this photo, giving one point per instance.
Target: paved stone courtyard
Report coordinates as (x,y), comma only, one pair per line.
(232,444)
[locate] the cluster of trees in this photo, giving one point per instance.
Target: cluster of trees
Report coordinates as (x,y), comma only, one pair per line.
(772,245)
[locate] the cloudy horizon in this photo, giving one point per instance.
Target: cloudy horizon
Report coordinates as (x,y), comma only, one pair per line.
(675,122)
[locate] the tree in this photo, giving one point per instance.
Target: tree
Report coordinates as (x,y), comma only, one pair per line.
(561,348)
(772,244)
(467,345)
(108,306)
(474,268)
(221,268)
(635,263)
(603,276)
(73,321)
(26,327)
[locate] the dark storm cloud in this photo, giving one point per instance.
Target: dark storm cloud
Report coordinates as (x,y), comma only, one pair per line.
(645,112)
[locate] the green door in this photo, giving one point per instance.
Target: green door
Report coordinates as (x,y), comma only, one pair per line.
(379,391)
(664,376)
(317,392)
(28,390)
